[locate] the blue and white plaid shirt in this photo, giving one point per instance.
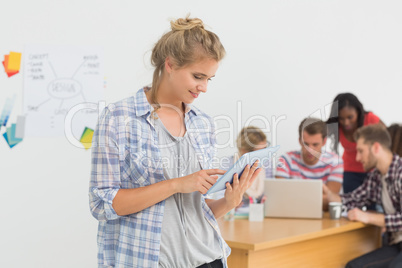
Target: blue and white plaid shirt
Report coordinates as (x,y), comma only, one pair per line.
(125,154)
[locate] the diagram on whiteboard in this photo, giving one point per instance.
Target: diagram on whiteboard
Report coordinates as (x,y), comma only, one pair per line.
(56,79)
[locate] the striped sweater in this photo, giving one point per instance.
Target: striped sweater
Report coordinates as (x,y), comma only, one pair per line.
(328,168)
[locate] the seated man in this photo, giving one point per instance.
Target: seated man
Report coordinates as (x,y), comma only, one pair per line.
(310,162)
(382,186)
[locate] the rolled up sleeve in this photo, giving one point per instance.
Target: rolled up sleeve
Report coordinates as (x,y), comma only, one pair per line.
(362,195)
(105,168)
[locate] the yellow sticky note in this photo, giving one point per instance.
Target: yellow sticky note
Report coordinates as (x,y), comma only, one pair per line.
(86,138)
(14,61)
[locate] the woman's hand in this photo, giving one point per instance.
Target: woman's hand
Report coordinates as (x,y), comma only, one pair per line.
(235,191)
(199,181)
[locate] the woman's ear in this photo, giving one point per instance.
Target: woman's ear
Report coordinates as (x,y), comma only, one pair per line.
(168,65)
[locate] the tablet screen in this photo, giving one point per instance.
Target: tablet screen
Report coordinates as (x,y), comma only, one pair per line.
(248,158)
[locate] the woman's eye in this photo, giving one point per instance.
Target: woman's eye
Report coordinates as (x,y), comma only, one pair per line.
(197,77)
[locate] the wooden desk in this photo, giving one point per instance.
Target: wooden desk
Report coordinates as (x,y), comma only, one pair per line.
(297,242)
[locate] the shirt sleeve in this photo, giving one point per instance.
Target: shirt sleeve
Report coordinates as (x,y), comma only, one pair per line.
(371,118)
(336,174)
(362,195)
(105,169)
(283,168)
(393,222)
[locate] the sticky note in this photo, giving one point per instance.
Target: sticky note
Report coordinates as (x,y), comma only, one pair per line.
(5,114)
(5,137)
(12,140)
(5,64)
(20,129)
(5,120)
(86,138)
(14,61)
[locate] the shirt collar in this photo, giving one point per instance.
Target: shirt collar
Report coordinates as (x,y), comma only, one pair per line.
(142,106)
(394,164)
(391,169)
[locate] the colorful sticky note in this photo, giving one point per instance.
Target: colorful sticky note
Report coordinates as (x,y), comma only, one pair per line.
(12,140)
(20,129)
(5,137)
(86,138)
(5,63)
(5,114)
(9,136)
(14,61)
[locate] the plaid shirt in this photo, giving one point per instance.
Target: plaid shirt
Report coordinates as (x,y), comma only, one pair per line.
(125,154)
(370,191)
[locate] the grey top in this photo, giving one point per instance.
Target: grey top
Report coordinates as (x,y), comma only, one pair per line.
(188,240)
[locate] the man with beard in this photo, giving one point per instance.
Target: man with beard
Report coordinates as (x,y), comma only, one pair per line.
(383,185)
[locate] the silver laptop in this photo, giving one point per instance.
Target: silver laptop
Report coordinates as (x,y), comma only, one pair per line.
(293,198)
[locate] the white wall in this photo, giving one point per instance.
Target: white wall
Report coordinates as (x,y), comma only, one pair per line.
(284,59)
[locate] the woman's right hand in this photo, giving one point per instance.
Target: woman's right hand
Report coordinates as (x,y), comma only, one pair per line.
(199,181)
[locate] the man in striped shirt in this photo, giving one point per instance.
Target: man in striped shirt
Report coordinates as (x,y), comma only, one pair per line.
(310,162)
(383,185)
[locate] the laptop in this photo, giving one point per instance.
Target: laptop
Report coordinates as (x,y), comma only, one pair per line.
(293,198)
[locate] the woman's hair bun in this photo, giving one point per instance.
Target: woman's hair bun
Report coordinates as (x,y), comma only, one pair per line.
(186,24)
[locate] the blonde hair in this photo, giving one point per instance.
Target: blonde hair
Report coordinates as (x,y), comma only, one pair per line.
(249,138)
(187,42)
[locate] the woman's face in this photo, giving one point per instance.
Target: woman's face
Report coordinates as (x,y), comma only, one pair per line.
(186,83)
(348,118)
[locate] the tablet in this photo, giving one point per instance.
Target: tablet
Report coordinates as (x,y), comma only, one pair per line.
(248,158)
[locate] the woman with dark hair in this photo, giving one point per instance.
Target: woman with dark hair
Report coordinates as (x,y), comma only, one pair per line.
(347,115)
(395,131)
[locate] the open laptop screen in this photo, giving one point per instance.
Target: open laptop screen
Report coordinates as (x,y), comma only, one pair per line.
(291,198)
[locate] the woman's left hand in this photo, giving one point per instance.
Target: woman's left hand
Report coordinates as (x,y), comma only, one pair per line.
(235,191)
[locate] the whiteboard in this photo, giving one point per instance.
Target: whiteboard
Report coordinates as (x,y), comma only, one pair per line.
(60,82)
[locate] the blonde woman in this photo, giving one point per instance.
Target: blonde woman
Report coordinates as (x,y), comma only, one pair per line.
(250,139)
(152,161)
